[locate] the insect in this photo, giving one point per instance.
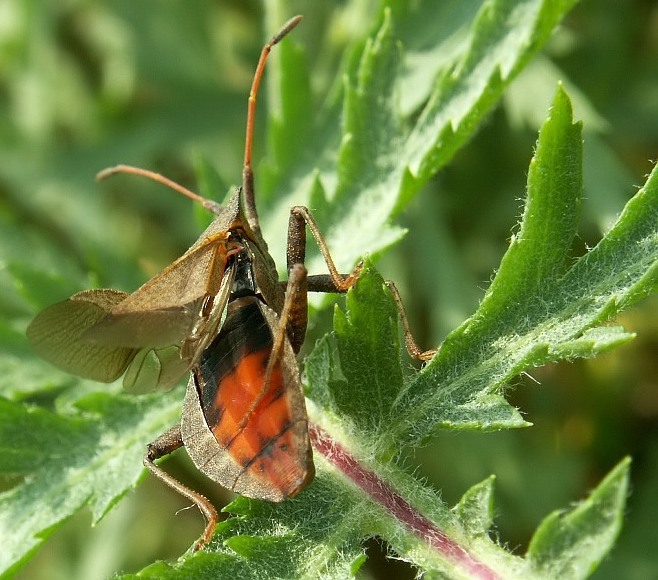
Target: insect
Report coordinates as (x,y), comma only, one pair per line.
(220,312)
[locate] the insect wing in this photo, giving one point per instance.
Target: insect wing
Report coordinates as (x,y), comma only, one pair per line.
(261,452)
(57,335)
(165,310)
(151,368)
(163,367)
(208,326)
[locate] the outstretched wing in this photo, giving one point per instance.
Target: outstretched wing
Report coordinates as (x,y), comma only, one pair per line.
(56,334)
(154,335)
(166,309)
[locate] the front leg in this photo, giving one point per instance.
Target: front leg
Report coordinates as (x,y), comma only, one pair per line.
(300,217)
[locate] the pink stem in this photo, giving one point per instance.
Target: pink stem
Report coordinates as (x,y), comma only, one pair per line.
(382,493)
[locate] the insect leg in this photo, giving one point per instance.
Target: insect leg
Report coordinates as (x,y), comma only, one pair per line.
(409,341)
(165,444)
(300,217)
(297,286)
(296,256)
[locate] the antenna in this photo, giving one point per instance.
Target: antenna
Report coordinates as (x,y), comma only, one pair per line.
(247,172)
(249,203)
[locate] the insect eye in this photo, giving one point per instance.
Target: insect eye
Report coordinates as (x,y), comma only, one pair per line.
(234,238)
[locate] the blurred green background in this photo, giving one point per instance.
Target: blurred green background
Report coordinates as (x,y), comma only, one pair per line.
(87,84)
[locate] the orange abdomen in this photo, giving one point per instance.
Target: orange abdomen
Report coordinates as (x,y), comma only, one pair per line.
(250,414)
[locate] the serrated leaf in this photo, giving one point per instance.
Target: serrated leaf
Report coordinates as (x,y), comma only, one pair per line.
(593,341)
(278,540)
(382,161)
(370,366)
(504,35)
(87,458)
(357,373)
(534,311)
(485,412)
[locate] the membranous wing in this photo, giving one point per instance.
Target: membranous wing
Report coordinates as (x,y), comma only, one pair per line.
(56,335)
(167,308)
(150,335)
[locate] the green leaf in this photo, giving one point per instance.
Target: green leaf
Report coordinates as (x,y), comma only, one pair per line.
(88,456)
(383,158)
(267,540)
(362,362)
(475,508)
(535,311)
(572,544)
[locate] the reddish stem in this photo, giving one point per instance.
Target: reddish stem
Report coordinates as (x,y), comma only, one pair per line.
(382,493)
